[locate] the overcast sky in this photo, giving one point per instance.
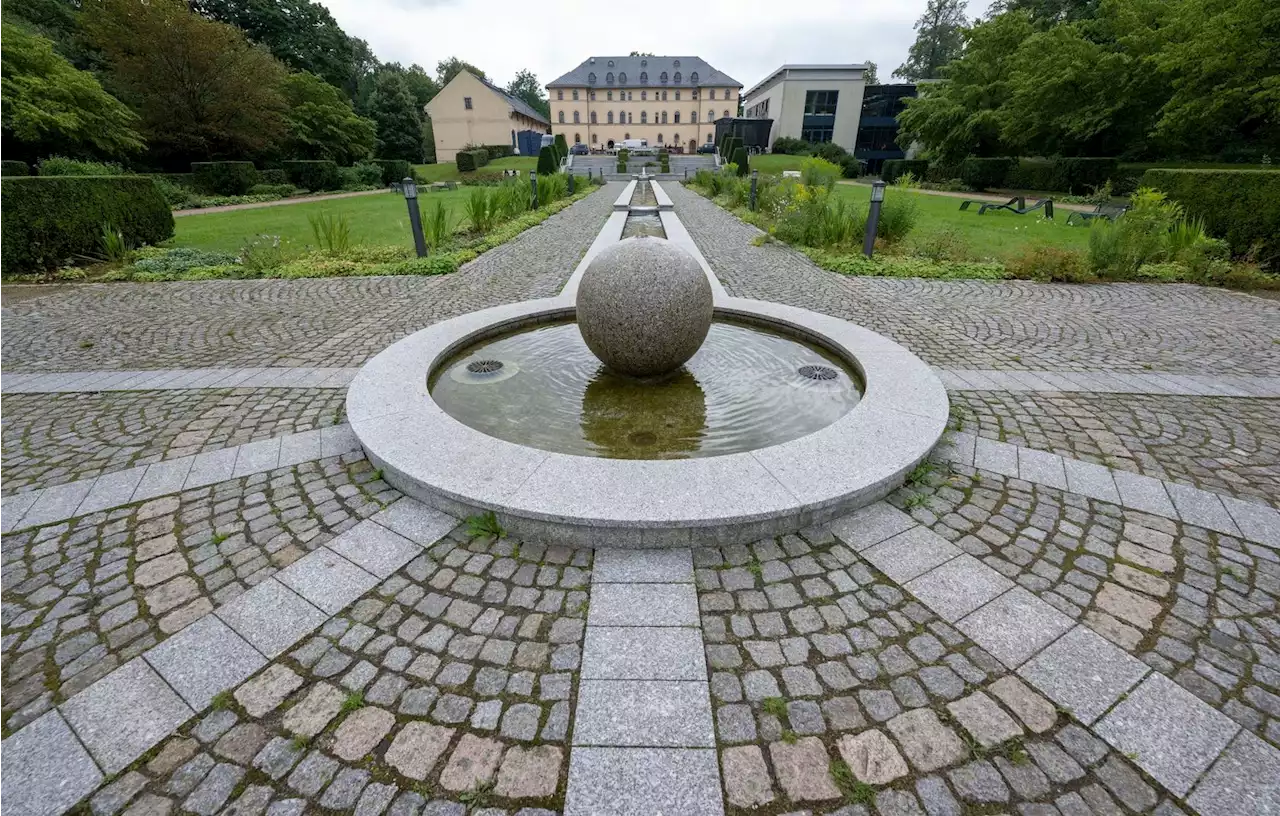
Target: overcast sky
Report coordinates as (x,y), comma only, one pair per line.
(746,39)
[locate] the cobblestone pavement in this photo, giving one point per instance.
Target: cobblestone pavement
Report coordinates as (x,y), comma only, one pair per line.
(1200,606)
(1216,443)
(311,322)
(85,596)
(446,690)
(51,439)
(1009,325)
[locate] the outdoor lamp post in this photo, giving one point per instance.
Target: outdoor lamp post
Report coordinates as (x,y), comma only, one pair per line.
(571,184)
(873,218)
(533,189)
(755,175)
(415,217)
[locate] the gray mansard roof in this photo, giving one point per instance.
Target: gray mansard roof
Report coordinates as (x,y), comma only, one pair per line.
(651,67)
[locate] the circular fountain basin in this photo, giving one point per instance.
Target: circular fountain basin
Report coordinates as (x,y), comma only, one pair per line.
(747,388)
(580,477)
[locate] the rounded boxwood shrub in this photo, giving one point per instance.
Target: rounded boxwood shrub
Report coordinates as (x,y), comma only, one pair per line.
(11,167)
(394,170)
(47,221)
(789,146)
(547,163)
(224,177)
(317,174)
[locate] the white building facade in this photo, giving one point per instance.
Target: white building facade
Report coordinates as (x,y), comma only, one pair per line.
(816,103)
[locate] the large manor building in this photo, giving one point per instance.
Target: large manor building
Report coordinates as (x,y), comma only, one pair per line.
(671,101)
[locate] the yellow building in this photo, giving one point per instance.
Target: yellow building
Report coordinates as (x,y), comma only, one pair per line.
(671,101)
(472,111)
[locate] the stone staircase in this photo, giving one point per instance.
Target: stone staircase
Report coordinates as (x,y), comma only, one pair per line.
(608,165)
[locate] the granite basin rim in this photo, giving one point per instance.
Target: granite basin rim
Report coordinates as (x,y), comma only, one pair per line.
(541,495)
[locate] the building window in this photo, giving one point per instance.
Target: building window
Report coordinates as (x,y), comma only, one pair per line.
(664,117)
(593,117)
(659,138)
(710,138)
(622,77)
(713,93)
(663,78)
(611,117)
(577,138)
(677,77)
(644,77)
(675,139)
(676,63)
(626,135)
(559,94)
(591,78)
(562,117)
(575,94)
(664,96)
(816,134)
(820,103)
(595,139)
(677,96)
(644,117)
(695,95)
(466,102)
(630,96)
(644,95)
(593,96)
(693,78)
(608,78)
(677,117)
(693,116)
(609,95)
(644,62)
(576,120)
(610,63)
(630,120)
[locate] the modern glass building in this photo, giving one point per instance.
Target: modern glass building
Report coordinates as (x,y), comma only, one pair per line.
(878,125)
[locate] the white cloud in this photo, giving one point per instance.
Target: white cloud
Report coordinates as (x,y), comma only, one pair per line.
(744,38)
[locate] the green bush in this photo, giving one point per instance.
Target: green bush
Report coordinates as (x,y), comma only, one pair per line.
(830,151)
(1077,176)
(985,174)
(224,177)
(785,145)
(498,151)
(850,167)
(61,166)
(313,174)
(740,159)
(562,145)
(272,176)
(47,221)
(1239,206)
(393,170)
(622,165)
(896,167)
(12,167)
(817,172)
(178,260)
(272,189)
(471,160)
(1155,230)
(482,157)
(360,176)
(547,164)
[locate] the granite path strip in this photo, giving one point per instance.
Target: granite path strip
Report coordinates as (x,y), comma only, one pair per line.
(1224,514)
(52,504)
(1106,382)
(1189,747)
(643,740)
(174,379)
(62,757)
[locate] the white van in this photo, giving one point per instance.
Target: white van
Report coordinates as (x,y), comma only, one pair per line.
(637,146)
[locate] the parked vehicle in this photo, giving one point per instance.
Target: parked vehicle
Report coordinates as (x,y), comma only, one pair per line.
(578,149)
(709,147)
(636,146)
(547,140)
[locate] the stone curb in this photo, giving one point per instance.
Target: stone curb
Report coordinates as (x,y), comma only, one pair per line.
(1162,383)
(175,379)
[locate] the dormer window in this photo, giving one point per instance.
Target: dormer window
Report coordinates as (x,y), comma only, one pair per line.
(610,63)
(677,77)
(608,78)
(663,78)
(591,78)
(644,63)
(677,65)
(693,78)
(622,78)
(644,77)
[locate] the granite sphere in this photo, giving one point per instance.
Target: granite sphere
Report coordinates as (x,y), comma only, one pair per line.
(644,307)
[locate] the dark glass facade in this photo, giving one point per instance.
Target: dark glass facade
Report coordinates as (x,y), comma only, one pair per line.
(878,124)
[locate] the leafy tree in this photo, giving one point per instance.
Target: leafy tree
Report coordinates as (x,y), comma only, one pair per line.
(50,107)
(300,33)
(526,86)
(199,87)
(641,53)
(447,69)
(870,76)
(52,19)
(322,123)
(421,85)
(938,41)
(399,125)
(1049,12)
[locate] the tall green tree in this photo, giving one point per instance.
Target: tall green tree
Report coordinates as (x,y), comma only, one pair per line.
(300,33)
(49,107)
(200,89)
(399,124)
(939,40)
(447,69)
(526,86)
(870,76)
(322,124)
(1047,13)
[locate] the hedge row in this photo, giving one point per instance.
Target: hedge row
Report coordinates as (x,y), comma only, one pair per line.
(469,160)
(394,171)
(318,174)
(1241,206)
(499,151)
(49,220)
(224,177)
(983,174)
(893,168)
(10,167)
(1077,176)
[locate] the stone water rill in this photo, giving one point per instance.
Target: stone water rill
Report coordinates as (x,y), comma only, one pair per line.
(644,307)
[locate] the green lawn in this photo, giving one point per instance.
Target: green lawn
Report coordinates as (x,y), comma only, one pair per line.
(449,171)
(374,219)
(775,163)
(996,235)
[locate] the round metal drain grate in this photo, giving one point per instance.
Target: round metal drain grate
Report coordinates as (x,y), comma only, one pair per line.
(817,372)
(484,366)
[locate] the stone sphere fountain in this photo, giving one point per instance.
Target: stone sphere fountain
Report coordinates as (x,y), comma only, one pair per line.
(644,307)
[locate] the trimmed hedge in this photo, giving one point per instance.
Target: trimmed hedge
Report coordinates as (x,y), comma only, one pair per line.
(740,159)
(498,151)
(316,174)
(11,167)
(547,163)
(49,220)
(1241,206)
(273,176)
(471,160)
(893,168)
(394,170)
(984,174)
(1065,175)
(224,177)
(562,146)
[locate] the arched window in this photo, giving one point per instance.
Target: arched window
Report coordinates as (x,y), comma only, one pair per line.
(664,117)
(575,94)
(644,77)
(622,77)
(622,117)
(693,78)
(693,116)
(577,137)
(562,117)
(608,78)
(610,63)
(663,78)
(695,93)
(591,78)
(576,119)
(626,135)
(644,117)
(664,96)
(676,63)
(677,117)
(677,77)
(644,95)
(659,138)
(611,117)
(593,117)
(675,139)
(630,121)
(609,95)
(677,96)
(643,63)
